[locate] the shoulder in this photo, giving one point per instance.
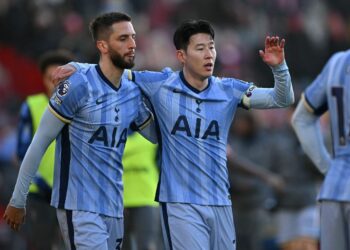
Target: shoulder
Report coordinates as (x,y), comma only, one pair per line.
(339,56)
(152,75)
(82,67)
(227,82)
(79,80)
(74,88)
(128,82)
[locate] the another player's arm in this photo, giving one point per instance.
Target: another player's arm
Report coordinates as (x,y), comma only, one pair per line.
(50,126)
(149,131)
(144,124)
(307,127)
(64,71)
(282,94)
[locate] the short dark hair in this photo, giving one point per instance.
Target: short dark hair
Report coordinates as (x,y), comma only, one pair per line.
(100,26)
(189,28)
(54,57)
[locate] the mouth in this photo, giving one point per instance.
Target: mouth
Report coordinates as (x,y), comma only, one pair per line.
(130,54)
(209,66)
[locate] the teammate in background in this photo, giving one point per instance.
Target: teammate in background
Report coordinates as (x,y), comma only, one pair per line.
(194,111)
(329,91)
(90,114)
(140,177)
(41,229)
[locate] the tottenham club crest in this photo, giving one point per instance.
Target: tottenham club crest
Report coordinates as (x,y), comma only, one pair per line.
(62,89)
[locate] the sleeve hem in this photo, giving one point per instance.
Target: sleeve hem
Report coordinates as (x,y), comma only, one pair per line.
(58,115)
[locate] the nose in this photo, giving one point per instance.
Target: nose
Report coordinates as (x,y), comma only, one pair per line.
(209,54)
(132,44)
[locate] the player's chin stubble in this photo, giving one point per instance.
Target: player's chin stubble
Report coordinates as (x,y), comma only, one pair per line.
(119,61)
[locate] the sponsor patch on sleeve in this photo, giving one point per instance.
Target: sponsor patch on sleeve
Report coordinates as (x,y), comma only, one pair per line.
(248,93)
(63,88)
(61,91)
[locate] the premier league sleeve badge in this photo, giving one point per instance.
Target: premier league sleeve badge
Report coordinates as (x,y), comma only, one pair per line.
(63,88)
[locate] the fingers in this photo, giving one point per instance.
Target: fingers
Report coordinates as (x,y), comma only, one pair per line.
(14,217)
(267,42)
(61,73)
(274,41)
(13,225)
(261,53)
(283,42)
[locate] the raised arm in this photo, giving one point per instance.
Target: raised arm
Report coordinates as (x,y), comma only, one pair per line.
(49,128)
(282,94)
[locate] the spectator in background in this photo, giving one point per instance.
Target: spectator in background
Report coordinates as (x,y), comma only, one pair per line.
(41,228)
(140,178)
(252,182)
(8,171)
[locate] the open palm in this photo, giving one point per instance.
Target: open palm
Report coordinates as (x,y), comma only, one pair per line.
(273,54)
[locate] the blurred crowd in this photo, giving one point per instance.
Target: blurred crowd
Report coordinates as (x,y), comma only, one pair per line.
(313,29)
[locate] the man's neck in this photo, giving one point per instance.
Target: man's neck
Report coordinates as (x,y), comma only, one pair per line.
(195,81)
(111,72)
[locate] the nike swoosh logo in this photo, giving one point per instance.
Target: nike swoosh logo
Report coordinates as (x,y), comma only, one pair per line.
(99,101)
(177,90)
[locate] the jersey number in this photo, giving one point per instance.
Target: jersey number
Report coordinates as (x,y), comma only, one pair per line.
(338,93)
(119,244)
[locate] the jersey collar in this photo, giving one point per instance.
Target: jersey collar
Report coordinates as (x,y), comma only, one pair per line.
(105,79)
(189,85)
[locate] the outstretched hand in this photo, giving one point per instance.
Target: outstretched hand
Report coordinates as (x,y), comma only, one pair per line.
(273,54)
(14,217)
(61,73)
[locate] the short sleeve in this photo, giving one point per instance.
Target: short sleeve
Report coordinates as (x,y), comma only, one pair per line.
(316,93)
(240,88)
(69,97)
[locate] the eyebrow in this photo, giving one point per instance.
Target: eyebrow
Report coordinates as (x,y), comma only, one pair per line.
(204,44)
(126,35)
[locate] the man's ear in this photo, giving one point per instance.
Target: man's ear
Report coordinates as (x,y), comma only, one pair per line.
(181,56)
(102,46)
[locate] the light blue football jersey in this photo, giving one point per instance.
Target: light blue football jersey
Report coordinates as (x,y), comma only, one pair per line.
(193,130)
(331,91)
(88,166)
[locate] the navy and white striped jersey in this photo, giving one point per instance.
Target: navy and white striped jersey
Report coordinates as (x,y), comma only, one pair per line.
(193,127)
(88,167)
(331,91)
